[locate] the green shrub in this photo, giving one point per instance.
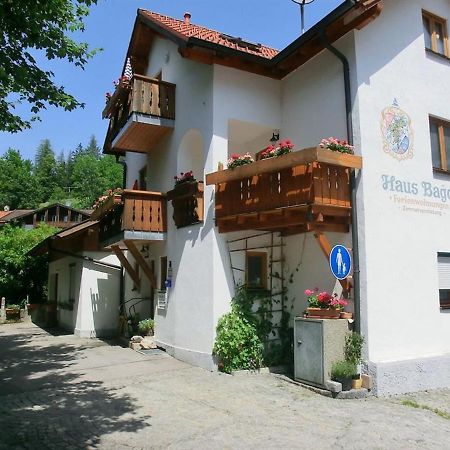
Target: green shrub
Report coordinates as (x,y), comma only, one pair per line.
(353,347)
(237,344)
(14,306)
(342,369)
(146,326)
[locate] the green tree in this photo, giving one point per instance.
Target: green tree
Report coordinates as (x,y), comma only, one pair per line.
(20,273)
(85,180)
(45,171)
(111,173)
(27,27)
(18,187)
(93,149)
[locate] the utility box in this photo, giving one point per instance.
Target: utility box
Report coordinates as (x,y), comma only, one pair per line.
(318,343)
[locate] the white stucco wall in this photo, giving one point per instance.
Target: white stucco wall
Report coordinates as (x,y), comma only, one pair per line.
(186,326)
(97,291)
(401,315)
(313,101)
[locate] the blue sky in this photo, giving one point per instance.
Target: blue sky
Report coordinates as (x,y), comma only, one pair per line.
(272,22)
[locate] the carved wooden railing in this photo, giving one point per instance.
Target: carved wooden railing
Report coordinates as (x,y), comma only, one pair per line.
(142,95)
(138,211)
(187,201)
(308,177)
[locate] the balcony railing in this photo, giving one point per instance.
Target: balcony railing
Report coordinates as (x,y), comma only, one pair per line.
(152,100)
(140,215)
(292,192)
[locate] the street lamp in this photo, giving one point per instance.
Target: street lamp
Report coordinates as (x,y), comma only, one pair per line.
(302,4)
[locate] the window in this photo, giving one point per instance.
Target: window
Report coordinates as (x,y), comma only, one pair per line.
(444,279)
(256,270)
(440,144)
(435,33)
(72,294)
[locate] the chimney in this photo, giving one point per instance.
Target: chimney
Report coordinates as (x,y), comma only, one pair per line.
(187,18)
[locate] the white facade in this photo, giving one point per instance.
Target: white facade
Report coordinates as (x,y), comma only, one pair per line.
(221,110)
(87,294)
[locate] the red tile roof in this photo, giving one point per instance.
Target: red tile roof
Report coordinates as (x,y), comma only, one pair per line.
(187,30)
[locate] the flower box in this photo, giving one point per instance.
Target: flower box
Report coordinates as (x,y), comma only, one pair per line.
(187,202)
(323,313)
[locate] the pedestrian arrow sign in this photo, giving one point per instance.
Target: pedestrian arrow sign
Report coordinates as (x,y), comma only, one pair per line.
(340,262)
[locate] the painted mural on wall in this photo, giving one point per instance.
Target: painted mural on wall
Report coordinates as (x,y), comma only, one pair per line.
(398,137)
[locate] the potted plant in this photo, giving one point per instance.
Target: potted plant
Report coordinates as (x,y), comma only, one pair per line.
(187,199)
(352,351)
(13,311)
(237,160)
(146,327)
(343,372)
(324,305)
(272,151)
(337,145)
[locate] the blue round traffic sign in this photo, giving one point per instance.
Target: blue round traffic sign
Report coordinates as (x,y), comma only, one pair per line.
(340,262)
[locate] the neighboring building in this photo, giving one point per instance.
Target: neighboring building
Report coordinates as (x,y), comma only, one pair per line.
(84,281)
(57,215)
(193,245)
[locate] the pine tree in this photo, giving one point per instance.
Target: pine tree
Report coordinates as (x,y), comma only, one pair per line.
(18,187)
(45,171)
(93,149)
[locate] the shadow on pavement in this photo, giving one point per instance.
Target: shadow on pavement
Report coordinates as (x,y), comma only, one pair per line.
(45,405)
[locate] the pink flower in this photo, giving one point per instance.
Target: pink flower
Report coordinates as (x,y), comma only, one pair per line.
(308,292)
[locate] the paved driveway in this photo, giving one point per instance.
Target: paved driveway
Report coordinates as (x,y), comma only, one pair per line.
(61,392)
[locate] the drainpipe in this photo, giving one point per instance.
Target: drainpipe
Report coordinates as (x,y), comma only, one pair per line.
(124,176)
(354,214)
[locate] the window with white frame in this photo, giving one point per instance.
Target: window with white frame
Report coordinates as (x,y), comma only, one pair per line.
(444,279)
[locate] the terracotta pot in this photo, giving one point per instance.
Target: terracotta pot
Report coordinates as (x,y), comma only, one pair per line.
(346,315)
(321,313)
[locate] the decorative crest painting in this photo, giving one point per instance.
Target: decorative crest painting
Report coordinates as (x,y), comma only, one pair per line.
(398,137)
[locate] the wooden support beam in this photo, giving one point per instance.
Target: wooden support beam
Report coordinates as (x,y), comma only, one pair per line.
(141,261)
(126,265)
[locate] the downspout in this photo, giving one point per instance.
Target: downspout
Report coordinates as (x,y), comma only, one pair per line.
(124,175)
(354,214)
(122,275)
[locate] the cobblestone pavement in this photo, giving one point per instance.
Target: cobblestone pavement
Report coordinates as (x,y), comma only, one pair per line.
(61,392)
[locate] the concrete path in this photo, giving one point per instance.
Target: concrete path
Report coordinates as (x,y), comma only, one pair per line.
(62,392)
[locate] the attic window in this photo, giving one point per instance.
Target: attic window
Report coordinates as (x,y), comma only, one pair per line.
(241,43)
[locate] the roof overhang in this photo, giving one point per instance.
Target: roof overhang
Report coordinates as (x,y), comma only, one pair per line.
(350,15)
(62,239)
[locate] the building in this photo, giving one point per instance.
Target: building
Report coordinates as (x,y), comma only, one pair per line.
(56,215)
(198,96)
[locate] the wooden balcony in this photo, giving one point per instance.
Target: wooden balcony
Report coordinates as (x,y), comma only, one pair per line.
(302,191)
(140,112)
(141,215)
